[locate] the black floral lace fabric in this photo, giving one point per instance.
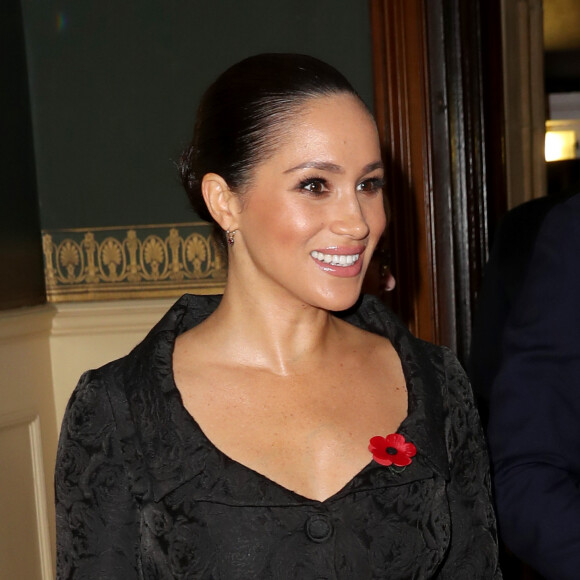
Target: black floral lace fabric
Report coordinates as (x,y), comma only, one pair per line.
(143,494)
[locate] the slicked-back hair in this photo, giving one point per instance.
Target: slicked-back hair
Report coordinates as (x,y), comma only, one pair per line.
(243,114)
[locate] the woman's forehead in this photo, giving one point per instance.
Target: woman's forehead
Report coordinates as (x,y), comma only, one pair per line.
(329,123)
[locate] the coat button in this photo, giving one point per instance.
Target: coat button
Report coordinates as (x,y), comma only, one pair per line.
(318,528)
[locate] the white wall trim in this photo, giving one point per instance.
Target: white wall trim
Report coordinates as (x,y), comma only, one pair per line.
(118,316)
(16,418)
(32,421)
(40,497)
(24,322)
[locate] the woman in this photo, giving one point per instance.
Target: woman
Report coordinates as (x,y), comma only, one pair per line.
(245,436)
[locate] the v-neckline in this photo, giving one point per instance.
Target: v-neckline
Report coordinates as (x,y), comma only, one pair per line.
(248,469)
(176,452)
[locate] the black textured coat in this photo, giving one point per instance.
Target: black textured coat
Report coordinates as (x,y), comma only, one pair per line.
(142,493)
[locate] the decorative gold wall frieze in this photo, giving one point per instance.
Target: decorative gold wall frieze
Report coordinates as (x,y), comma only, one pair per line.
(131,262)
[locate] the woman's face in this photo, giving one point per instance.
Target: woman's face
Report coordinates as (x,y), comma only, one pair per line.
(313,212)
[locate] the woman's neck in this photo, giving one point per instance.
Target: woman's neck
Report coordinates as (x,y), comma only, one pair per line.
(278,335)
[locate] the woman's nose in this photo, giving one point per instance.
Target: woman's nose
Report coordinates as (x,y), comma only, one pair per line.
(349,218)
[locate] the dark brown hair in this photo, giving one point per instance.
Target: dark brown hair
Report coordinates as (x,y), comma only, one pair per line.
(240,117)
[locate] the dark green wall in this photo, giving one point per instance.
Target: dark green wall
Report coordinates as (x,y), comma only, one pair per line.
(21,277)
(115,85)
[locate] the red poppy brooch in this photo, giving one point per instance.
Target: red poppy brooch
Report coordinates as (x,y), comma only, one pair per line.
(392,450)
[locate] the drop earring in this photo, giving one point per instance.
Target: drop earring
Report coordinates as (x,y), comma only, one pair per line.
(230,237)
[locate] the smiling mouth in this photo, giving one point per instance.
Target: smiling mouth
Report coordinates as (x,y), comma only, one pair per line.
(343,260)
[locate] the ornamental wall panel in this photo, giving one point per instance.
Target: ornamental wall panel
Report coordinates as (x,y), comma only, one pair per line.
(82,264)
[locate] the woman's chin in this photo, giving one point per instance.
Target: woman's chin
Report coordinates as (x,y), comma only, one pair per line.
(339,301)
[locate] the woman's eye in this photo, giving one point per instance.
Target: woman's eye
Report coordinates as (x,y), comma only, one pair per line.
(315,186)
(371,185)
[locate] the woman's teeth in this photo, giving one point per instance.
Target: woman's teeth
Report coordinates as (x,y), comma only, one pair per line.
(334,259)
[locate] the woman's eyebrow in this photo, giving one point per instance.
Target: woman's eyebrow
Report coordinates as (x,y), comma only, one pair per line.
(372,166)
(322,165)
(332,167)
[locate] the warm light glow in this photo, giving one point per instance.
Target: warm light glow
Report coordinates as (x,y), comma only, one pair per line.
(560,145)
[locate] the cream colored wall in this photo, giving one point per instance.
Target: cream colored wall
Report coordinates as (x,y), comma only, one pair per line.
(43,352)
(28,436)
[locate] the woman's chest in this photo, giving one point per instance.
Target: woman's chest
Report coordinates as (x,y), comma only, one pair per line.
(308,433)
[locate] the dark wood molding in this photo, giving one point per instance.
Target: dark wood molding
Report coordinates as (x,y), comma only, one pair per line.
(403,117)
(431,112)
(461,200)
(494,112)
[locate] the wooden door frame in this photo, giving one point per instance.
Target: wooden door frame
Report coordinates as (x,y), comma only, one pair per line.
(433,117)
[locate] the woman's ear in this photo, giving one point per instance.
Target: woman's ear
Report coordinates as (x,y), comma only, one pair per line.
(220,200)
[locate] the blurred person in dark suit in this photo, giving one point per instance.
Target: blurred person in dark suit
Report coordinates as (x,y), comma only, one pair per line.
(505,273)
(534,421)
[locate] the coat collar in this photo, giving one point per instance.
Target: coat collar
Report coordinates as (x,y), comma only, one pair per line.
(165,448)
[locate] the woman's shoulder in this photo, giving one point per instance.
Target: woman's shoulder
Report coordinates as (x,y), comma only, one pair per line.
(435,370)
(98,405)
(88,413)
(150,360)
(132,405)
(372,315)
(106,395)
